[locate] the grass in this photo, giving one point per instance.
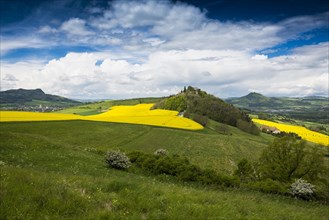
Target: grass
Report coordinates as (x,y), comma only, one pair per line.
(222,151)
(56,170)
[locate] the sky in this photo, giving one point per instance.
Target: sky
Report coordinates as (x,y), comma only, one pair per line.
(93,49)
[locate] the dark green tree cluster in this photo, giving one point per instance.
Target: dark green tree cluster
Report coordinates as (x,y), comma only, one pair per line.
(177,103)
(201,119)
(247,126)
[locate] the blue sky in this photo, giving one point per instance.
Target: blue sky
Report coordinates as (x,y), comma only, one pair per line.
(123,49)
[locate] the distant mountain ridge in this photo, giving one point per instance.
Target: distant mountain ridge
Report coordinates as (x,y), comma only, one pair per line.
(310,108)
(32,97)
(254,100)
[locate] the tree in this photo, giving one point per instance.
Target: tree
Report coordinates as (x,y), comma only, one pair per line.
(288,158)
(248,127)
(201,119)
(245,170)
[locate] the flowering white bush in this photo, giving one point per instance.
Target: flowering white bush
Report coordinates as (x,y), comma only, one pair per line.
(117,160)
(161,152)
(302,189)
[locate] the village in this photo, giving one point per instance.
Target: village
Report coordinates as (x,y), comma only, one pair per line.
(39,108)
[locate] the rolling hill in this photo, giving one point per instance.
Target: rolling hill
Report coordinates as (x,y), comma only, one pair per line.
(201,106)
(32,98)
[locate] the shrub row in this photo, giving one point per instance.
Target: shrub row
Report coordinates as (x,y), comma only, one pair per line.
(180,168)
(266,175)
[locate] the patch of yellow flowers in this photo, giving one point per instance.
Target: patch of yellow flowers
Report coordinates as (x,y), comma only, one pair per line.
(137,114)
(304,133)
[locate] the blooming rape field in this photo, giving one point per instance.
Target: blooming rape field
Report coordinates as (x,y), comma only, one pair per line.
(137,114)
(305,134)
(141,114)
(7,116)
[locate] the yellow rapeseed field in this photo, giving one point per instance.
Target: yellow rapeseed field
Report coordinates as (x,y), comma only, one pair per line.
(138,114)
(141,114)
(305,134)
(6,116)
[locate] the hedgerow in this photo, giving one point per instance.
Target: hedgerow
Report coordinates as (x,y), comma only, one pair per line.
(180,168)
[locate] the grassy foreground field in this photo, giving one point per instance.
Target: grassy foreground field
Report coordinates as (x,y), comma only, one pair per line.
(56,170)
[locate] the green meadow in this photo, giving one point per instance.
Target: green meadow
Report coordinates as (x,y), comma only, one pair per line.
(57,170)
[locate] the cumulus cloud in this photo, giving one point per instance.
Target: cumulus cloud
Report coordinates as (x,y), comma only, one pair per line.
(10,77)
(225,73)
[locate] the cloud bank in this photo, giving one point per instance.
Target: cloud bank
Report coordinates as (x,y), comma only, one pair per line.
(154,48)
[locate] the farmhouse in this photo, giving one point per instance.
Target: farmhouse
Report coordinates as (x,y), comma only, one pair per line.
(269,129)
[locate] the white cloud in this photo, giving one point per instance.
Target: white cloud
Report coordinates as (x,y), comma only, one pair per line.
(154,41)
(181,26)
(291,27)
(222,72)
(25,74)
(10,77)
(47,30)
(259,57)
(8,44)
(130,14)
(75,26)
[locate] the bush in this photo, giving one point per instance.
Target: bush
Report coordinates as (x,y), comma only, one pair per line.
(117,160)
(302,189)
(228,181)
(133,156)
(269,186)
(246,171)
(161,152)
(322,191)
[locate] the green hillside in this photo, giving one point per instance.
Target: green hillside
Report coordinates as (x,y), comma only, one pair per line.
(56,170)
(30,99)
(201,106)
